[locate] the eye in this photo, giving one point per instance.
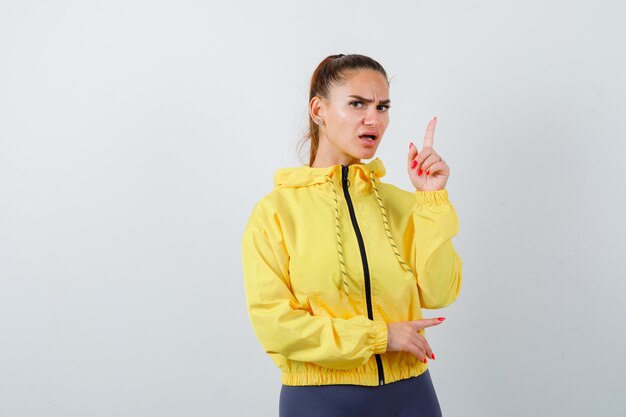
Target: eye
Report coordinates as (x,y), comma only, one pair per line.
(384,107)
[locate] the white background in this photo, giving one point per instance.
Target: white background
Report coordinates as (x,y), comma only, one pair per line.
(136,136)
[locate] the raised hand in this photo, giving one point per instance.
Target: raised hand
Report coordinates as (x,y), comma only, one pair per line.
(427,171)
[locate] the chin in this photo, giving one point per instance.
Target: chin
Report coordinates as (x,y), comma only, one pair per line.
(367,153)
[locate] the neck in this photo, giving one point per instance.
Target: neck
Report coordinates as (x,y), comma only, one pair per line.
(328,155)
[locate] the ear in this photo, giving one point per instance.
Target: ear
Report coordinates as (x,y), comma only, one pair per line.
(316,107)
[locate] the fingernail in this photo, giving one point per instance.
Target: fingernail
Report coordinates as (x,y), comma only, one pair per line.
(435,118)
(427,172)
(419,172)
(410,145)
(441,318)
(424,360)
(432,355)
(413,164)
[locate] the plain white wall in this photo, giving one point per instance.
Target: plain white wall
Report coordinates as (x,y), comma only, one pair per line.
(136,136)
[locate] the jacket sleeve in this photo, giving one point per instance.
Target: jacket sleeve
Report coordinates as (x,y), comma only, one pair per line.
(279,322)
(437,264)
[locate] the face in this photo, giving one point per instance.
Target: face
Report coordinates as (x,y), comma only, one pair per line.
(355,109)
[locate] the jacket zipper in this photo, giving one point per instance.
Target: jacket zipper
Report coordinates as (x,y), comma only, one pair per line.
(368,292)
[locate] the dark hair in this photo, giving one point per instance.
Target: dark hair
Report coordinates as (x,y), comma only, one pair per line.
(333,70)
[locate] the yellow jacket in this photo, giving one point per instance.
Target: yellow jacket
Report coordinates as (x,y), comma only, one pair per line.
(330,256)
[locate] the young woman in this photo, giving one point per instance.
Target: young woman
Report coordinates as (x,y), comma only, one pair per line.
(338,264)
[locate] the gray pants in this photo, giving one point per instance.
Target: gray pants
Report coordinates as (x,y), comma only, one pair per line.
(411,397)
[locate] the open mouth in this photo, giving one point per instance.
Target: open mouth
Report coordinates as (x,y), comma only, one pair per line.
(368,137)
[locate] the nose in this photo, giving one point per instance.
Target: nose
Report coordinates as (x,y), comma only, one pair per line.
(370,122)
(372,118)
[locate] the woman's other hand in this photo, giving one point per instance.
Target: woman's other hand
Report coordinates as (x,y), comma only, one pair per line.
(427,171)
(403,336)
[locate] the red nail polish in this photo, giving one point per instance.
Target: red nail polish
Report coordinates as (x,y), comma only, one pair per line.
(441,318)
(427,172)
(413,164)
(424,360)
(419,172)
(432,356)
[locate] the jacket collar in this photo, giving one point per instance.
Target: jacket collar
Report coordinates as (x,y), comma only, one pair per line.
(303,176)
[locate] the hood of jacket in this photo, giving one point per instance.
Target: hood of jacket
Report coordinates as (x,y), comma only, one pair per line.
(305,175)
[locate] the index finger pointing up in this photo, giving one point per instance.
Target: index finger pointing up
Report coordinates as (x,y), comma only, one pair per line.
(430,133)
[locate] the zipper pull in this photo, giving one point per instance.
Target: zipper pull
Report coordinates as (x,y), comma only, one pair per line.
(344,176)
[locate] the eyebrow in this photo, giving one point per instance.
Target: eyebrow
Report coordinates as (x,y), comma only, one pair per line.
(368,100)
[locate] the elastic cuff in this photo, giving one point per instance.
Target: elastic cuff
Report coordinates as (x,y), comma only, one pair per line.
(436,196)
(380,342)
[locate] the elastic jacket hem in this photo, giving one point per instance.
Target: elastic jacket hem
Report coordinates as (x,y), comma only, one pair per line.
(352,377)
